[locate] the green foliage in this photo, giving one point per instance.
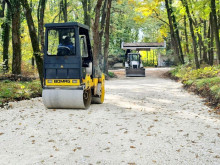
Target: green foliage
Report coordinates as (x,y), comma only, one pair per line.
(206,80)
(189,73)
(10,91)
(212,84)
(111,74)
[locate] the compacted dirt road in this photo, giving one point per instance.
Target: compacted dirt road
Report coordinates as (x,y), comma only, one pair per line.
(149,120)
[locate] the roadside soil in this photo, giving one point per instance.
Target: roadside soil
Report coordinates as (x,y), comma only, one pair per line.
(144,120)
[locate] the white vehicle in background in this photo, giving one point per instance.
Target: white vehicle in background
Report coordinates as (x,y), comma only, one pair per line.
(134,66)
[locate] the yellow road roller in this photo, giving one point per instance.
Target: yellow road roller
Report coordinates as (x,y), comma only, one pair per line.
(70,79)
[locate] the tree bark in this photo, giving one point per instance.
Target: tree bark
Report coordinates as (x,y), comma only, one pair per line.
(87,11)
(205,58)
(173,37)
(16,37)
(211,41)
(101,32)
(2,8)
(186,35)
(34,39)
(103,21)
(96,37)
(63,7)
(107,27)
(41,11)
(6,38)
(176,30)
(185,4)
(215,29)
(202,46)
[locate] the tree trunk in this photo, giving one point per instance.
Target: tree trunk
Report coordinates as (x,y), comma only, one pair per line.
(185,4)
(63,7)
(87,12)
(216,30)
(96,38)
(32,59)
(211,41)
(101,32)
(103,21)
(6,38)
(205,58)
(186,36)
(2,8)
(173,37)
(41,11)
(177,33)
(34,39)
(202,46)
(16,37)
(107,27)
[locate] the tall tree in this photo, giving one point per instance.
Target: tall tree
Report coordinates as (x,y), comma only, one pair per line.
(205,58)
(16,36)
(96,38)
(2,8)
(40,14)
(6,38)
(211,40)
(101,32)
(107,27)
(87,7)
(215,29)
(102,27)
(202,46)
(186,35)
(185,4)
(63,9)
(172,32)
(176,29)
(34,39)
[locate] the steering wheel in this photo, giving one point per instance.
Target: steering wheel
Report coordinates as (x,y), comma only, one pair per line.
(63,50)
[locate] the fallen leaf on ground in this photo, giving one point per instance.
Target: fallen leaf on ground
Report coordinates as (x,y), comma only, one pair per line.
(217,156)
(132,147)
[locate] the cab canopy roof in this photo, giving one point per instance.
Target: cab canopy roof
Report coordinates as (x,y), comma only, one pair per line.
(142,46)
(67,24)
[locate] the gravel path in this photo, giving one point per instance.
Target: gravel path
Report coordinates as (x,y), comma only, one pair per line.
(148,120)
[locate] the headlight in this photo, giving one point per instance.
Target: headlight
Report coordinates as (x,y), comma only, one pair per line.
(50,81)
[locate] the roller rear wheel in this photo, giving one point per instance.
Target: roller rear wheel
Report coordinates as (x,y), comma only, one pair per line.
(99,99)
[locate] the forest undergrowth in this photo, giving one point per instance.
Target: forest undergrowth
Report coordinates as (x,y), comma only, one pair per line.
(204,81)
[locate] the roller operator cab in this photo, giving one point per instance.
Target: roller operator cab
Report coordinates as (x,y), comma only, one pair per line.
(133,65)
(69,79)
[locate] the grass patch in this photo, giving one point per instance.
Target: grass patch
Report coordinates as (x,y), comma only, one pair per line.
(17,90)
(204,81)
(111,75)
